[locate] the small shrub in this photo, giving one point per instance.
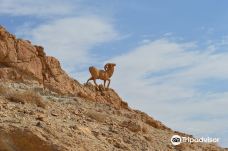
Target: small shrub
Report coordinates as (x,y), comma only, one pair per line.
(4,91)
(82,94)
(96,116)
(154,123)
(27,97)
(144,129)
(133,126)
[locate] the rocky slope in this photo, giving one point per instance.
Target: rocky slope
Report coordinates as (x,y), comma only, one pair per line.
(43,109)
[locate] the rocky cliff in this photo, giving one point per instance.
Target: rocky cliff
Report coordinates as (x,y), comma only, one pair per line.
(20,61)
(43,109)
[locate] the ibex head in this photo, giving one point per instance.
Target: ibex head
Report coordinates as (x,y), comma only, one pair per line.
(109,65)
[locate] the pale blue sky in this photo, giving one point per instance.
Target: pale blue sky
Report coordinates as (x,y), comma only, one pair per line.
(172,54)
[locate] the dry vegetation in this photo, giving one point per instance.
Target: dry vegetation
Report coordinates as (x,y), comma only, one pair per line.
(144,129)
(96,116)
(22,97)
(4,91)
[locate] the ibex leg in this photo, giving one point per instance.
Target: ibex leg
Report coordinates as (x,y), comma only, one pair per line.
(89,80)
(94,80)
(104,83)
(108,83)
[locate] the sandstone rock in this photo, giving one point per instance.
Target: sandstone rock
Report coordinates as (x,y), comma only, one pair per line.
(25,51)
(21,61)
(53,113)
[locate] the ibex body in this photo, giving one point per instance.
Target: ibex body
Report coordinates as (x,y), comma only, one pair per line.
(102,74)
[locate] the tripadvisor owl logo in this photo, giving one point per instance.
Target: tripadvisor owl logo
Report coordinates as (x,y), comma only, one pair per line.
(176,140)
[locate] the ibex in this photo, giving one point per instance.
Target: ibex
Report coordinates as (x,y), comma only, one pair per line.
(102,74)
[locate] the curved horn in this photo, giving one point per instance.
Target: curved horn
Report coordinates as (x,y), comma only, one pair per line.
(106,66)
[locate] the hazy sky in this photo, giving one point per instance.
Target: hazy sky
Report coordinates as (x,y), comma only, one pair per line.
(171,56)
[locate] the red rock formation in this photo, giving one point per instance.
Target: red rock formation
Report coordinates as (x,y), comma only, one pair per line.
(21,61)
